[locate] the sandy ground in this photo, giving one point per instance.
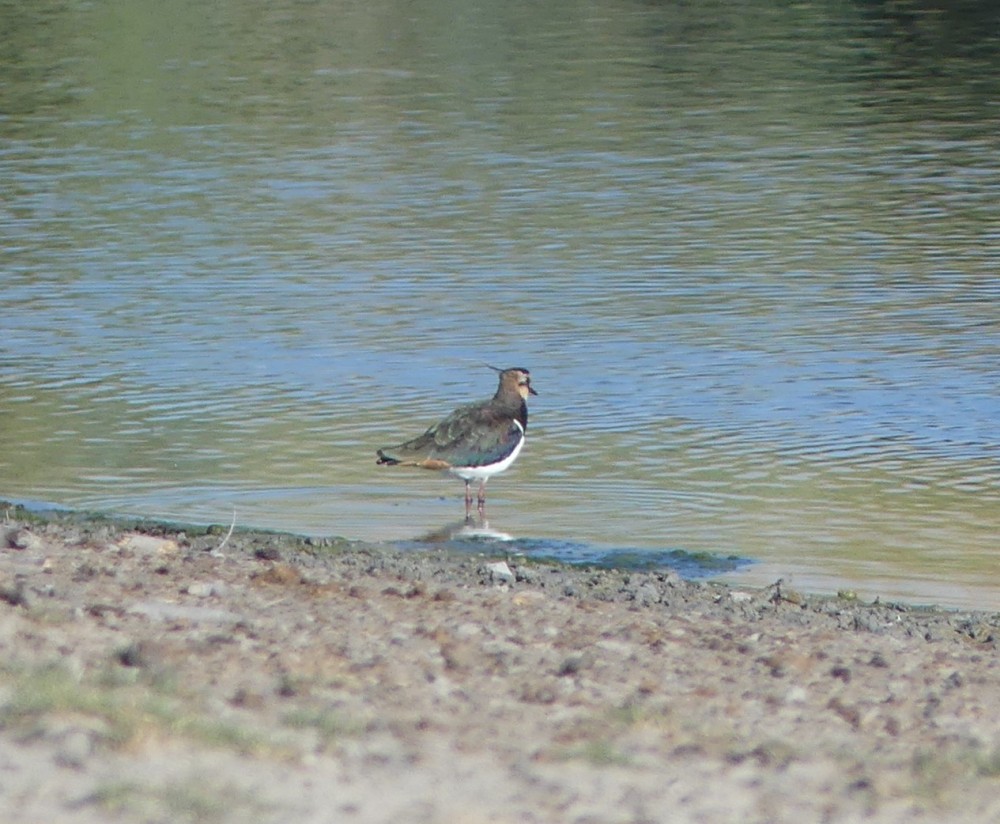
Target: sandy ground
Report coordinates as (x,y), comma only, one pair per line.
(148,676)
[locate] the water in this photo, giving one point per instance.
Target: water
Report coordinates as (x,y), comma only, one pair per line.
(749,254)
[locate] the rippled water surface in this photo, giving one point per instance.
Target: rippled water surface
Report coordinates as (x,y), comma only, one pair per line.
(749,253)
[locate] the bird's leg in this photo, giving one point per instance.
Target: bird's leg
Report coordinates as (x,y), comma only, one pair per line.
(482,497)
(468,499)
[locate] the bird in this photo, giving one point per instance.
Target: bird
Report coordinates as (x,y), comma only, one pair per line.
(476,441)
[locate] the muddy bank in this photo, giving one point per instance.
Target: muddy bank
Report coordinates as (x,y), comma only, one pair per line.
(150,675)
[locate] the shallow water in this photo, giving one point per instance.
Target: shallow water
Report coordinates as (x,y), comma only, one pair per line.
(748,253)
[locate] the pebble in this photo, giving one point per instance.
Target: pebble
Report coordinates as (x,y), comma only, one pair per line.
(14,593)
(165,611)
(841,672)
(646,594)
(206,589)
(75,738)
(573,664)
(528,597)
(460,655)
(74,749)
(499,573)
(138,654)
(796,695)
(468,629)
(147,544)
(27,540)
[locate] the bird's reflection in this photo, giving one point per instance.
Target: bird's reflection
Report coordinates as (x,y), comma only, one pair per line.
(473,528)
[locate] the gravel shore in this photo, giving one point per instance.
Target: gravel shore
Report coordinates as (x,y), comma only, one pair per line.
(151,675)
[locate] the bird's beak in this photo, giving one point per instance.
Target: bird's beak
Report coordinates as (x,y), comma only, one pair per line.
(531,389)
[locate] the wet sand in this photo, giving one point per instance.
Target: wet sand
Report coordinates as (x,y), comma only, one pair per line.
(151,676)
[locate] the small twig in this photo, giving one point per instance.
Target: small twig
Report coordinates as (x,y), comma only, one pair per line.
(232,526)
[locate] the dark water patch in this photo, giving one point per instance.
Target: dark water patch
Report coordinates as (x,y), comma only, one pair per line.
(686,563)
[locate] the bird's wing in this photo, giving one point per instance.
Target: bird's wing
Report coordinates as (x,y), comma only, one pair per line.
(479,441)
(472,435)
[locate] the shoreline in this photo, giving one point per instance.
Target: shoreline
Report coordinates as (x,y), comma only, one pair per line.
(150,676)
(728,570)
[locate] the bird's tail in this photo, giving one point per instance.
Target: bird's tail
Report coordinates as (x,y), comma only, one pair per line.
(424,463)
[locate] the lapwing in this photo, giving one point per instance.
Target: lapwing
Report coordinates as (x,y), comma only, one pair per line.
(476,441)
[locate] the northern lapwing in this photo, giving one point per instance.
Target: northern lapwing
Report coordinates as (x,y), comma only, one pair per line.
(475,441)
